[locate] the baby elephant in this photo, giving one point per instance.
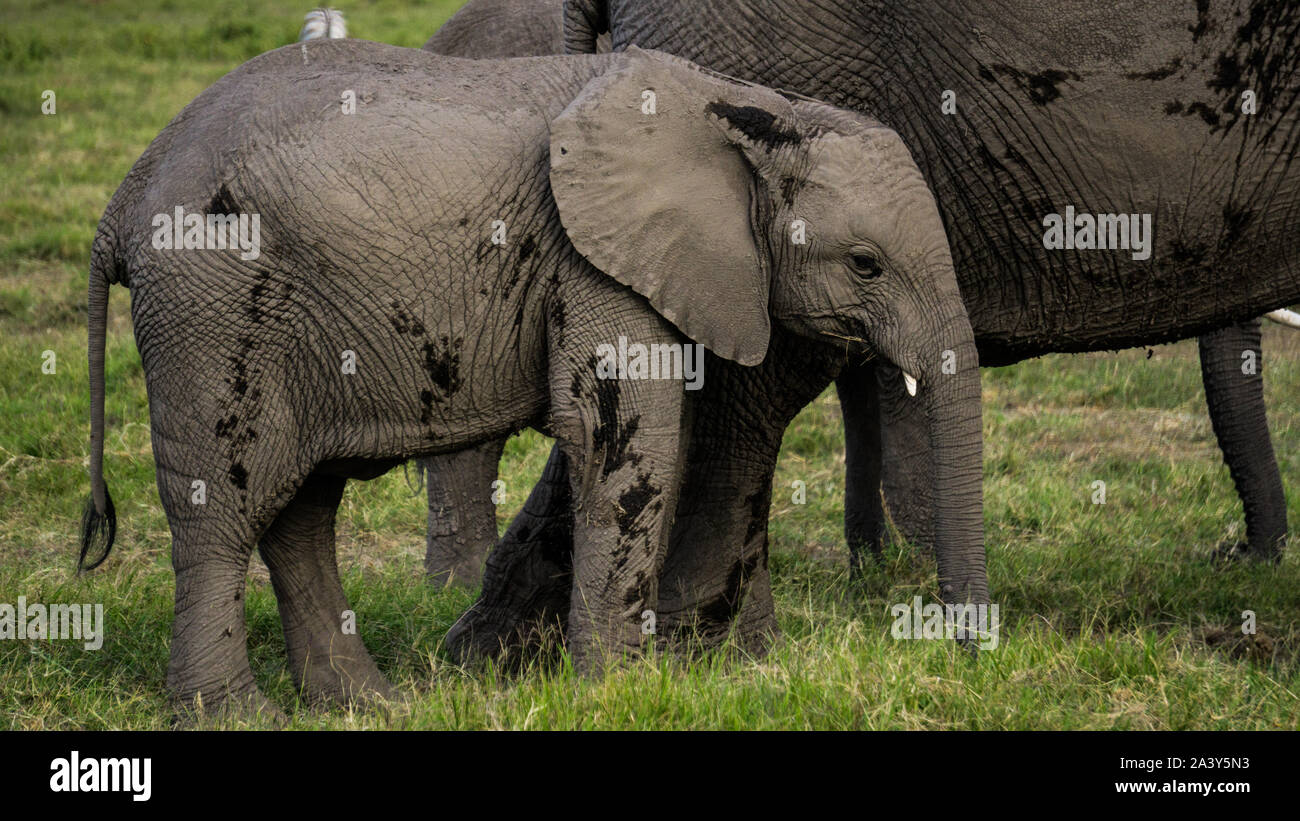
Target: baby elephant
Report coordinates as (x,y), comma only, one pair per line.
(344,255)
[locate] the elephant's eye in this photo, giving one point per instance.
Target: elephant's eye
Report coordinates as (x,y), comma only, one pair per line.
(866,266)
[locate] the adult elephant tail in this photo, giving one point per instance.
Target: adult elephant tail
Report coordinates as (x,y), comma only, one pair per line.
(584,22)
(98,520)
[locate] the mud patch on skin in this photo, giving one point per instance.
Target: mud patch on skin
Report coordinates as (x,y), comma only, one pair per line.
(442,363)
(226,427)
(1187,253)
(1236,218)
(1250,48)
(789,185)
(640,590)
(633,502)
(1207,114)
(222,202)
(1042,87)
(756,124)
(1155,75)
(526,248)
(404,323)
(609,436)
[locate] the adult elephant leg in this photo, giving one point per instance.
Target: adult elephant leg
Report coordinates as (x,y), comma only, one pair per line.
(864,515)
(462,515)
(715,582)
(327,664)
(1235,397)
(528,579)
(907,472)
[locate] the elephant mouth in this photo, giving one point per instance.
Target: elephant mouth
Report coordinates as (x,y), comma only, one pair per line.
(909,381)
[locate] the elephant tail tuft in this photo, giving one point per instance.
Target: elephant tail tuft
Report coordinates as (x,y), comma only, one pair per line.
(97,532)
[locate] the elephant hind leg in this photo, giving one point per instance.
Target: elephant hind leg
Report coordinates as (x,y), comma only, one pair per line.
(462,515)
(327,658)
(208,673)
(1234,394)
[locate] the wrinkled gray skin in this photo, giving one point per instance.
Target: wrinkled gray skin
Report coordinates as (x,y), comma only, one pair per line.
(1098,107)
(376,248)
(462,515)
(495,29)
(1109,110)
(462,535)
(1045,118)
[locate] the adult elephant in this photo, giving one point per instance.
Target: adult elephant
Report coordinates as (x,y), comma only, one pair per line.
(1019,111)
(847,68)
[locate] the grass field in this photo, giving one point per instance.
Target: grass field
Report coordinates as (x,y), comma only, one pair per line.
(1112,615)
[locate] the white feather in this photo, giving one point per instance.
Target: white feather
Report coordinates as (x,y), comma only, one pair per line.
(323,24)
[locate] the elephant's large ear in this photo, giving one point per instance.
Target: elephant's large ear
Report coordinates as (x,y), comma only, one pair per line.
(651,167)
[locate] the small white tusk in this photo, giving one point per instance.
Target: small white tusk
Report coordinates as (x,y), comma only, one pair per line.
(1282,316)
(910,382)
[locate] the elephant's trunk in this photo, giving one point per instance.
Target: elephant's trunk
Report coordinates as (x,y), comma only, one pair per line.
(956,441)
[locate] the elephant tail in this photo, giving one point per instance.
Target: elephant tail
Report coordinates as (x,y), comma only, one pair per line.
(98,520)
(584,22)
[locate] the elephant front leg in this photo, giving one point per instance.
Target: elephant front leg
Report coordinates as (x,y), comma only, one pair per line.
(624,491)
(715,583)
(462,515)
(622,434)
(1234,393)
(327,658)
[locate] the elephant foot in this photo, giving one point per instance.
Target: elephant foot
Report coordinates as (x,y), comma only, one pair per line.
(1230,552)
(236,709)
(345,681)
(595,659)
(495,635)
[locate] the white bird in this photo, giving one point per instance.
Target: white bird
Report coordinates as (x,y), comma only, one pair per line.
(323,23)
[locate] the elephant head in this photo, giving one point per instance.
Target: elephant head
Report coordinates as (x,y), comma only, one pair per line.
(727,205)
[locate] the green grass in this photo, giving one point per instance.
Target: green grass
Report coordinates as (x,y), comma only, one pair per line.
(1112,616)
